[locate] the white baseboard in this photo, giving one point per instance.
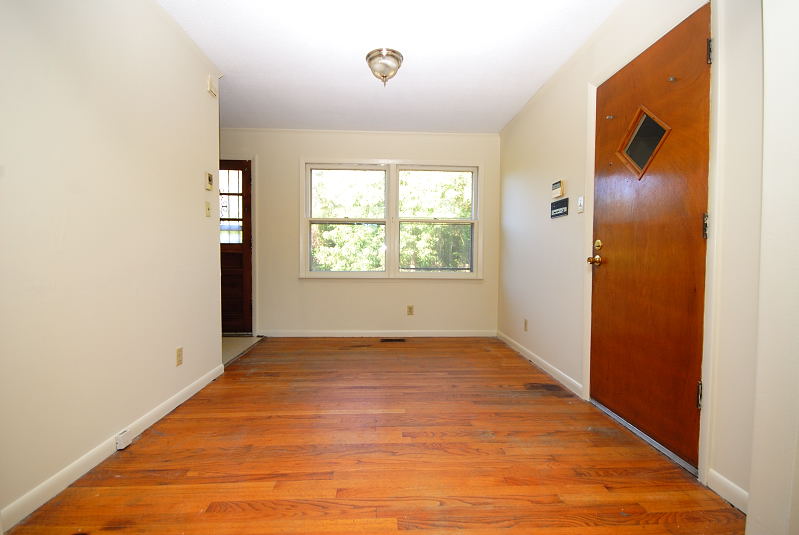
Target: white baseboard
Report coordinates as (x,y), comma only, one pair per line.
(43,492)
(373,334)
(728,490)
(556,374)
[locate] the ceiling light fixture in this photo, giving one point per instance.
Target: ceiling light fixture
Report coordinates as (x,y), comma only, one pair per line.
(384,63)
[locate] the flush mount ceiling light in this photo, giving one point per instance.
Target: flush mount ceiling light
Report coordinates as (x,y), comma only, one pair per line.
(384,63)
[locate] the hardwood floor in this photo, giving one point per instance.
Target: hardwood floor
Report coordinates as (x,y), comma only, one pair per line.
(354,435)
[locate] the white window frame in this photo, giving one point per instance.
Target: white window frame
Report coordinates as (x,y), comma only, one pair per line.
(391,221)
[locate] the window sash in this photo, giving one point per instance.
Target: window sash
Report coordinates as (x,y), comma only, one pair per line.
(422,168)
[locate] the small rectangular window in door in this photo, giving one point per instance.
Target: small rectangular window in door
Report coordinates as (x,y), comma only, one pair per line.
(231,213)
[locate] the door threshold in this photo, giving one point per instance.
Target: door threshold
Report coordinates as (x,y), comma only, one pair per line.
(237,334)
(646,438)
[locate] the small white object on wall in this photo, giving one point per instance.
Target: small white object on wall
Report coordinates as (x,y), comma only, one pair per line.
(557,189)
(123,439)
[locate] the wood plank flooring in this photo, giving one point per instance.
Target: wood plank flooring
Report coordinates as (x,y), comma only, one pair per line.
(358,436)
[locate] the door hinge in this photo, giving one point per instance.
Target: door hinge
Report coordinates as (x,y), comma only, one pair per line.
(705,218)
(699,395)
(709,51)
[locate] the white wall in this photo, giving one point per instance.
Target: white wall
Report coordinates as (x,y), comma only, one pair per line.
(734,247)
(774,506)
(544,277)
(109,263)
(290,306)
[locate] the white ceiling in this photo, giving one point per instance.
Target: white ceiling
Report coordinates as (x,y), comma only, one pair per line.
(469,66)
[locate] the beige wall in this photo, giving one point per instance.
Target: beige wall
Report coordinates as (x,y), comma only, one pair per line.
(544,277)
(109,262)
(285,304)
(774,508)
(733,251)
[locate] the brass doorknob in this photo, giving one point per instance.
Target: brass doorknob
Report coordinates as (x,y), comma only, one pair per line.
(595,260)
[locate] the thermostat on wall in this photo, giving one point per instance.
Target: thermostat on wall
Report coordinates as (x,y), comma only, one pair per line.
(557,189)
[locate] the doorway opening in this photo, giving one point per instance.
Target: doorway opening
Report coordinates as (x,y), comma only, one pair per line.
(235,243)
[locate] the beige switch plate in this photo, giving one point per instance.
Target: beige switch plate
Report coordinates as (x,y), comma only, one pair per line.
(207,209)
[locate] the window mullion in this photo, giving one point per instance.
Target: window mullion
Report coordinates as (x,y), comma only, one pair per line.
(392,224)
(344,220)
(432,220)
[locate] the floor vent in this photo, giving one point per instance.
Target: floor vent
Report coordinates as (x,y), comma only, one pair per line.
(392,339)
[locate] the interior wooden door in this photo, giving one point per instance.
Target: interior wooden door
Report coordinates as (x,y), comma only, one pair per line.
(235,238)
(650,200)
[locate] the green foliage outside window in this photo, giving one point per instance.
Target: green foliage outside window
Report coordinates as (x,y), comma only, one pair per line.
(428,245)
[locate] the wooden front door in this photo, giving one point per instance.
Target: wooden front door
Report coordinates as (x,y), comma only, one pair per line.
(650,200)
(235,239)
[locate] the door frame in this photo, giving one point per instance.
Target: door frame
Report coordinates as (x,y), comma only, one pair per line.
(254,214)
(709,355)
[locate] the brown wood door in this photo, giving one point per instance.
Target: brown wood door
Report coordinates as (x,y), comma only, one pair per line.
(650,199)
(235,238)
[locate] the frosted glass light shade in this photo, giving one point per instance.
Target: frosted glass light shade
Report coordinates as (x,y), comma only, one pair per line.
(384,63)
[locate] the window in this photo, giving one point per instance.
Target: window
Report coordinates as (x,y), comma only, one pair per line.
(642,141)
(389,221)
(231,206)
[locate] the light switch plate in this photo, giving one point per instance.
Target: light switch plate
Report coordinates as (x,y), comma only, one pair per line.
(209,181)
(207,209)
(580,204)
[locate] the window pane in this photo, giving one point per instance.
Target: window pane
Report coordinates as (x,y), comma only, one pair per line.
(348,193)
(436,246)
(645,141)
(235,181)
(441,194)
(230,206)
(231,231)
(229,181)
(348,247)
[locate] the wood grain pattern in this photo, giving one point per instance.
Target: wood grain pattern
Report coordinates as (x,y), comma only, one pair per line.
(648,293)
(355,436)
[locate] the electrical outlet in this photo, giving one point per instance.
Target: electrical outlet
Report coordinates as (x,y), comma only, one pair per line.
(525,324)
(179,356)
(409,310)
